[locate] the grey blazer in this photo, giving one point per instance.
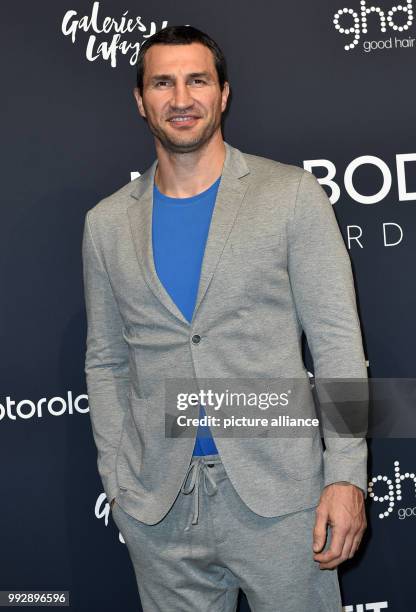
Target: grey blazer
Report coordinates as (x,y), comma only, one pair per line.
(275,264)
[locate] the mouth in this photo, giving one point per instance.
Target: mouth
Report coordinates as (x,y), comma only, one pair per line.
(183,120)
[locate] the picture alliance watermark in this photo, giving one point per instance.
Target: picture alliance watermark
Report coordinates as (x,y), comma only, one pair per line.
(218,401)
(286,407)
(55,406)
(352,23)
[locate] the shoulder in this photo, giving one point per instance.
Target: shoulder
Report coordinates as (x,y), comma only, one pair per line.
(273,172)
(258,163)
(275,180)
(115,203)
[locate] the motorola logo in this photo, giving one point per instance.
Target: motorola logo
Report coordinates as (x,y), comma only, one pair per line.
(55,406)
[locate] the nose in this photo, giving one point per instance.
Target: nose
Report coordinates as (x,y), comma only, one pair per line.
(181,97)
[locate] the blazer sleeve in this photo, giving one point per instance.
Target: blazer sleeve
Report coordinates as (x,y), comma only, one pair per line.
(323,289)
(106,361)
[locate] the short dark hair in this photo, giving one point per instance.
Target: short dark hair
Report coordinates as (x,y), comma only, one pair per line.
(182,35)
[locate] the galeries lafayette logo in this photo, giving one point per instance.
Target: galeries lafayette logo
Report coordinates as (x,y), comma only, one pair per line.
(112,29)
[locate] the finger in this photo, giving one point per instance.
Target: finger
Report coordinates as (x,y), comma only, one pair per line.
(342,557)
(352,542)
(346,549)
(338,536)
(320,531)
(355,544)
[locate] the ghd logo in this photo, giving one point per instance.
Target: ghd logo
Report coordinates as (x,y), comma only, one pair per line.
(390,492)
(358,22)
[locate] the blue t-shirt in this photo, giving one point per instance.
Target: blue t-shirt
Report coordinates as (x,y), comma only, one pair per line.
(180,231)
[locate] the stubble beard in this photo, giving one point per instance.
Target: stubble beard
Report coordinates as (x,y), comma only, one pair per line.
(184,143)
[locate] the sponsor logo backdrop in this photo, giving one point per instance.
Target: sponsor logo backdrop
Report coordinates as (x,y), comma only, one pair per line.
(330,88)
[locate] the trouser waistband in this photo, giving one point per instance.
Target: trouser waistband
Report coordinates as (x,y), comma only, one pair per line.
(199,467)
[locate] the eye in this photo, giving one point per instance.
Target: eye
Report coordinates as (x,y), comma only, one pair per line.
(198,80)
(160,83)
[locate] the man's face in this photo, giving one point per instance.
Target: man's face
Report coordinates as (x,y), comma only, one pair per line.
(181,98)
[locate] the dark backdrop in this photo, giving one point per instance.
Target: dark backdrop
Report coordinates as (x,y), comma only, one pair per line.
(71,136)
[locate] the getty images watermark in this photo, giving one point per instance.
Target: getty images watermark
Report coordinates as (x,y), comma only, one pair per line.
(280,407)
(222,404)
(290,407)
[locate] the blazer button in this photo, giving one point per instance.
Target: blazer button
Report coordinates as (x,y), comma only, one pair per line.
(196,338)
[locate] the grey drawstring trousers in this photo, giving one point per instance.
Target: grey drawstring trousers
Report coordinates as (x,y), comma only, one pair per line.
(210,544)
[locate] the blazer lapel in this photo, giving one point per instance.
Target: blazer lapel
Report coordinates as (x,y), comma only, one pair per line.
(230,196)
(140,216)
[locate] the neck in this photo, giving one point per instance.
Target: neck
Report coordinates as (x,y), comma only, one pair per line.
(183,175)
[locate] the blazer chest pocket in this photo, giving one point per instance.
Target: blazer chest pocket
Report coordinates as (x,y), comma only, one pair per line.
(250,246)
(258,262)
(249,266)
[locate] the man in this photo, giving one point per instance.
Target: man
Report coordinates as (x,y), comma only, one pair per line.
(210,265)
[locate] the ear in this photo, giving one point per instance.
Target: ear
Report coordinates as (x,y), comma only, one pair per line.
(139,101)
(224,95)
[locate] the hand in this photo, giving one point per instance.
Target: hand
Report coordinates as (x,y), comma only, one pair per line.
(342,507)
